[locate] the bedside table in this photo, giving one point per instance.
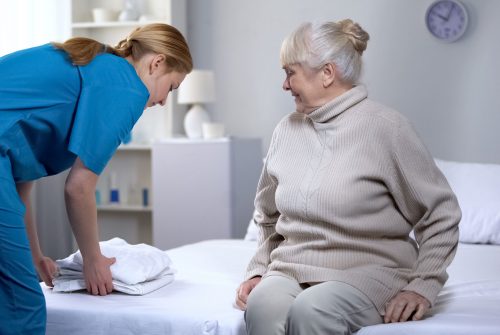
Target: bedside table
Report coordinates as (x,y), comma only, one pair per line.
(203,189)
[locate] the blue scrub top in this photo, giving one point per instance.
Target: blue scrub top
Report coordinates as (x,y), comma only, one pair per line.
(52,111)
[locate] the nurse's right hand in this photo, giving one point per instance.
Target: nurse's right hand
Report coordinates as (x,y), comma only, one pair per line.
(97,274)
(47,269)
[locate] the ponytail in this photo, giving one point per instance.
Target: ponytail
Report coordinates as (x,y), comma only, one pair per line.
(81,50)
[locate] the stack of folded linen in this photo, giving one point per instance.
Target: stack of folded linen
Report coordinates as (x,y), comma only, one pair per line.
(139,269)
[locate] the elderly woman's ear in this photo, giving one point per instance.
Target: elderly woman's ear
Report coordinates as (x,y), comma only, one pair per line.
(328,74)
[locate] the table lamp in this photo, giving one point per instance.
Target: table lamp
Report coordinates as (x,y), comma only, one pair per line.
(197,88)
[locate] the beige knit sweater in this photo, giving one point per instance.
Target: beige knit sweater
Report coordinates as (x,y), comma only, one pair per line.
(339,193)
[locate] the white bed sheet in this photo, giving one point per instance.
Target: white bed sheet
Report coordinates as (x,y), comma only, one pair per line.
(200,300)
(468,304)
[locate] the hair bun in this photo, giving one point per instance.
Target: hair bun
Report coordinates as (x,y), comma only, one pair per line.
(358,37)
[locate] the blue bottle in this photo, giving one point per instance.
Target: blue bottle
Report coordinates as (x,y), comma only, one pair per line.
(114,193)
(145,197)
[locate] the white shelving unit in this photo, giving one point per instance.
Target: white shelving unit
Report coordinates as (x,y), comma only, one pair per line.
(130,219)
(158,121)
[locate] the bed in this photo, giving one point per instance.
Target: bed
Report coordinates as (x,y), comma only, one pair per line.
(200,300)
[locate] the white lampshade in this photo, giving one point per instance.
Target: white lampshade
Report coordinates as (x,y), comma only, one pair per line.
(197,87)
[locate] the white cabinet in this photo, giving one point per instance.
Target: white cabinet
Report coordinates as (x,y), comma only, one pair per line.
(203,189)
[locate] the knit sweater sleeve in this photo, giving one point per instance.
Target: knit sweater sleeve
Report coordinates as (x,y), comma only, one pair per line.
(265,217)
(423,195)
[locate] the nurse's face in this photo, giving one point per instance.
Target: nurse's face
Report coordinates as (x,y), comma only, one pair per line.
(161,86)
(158,79)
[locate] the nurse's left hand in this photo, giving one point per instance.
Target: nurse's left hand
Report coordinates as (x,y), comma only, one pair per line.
(47,269)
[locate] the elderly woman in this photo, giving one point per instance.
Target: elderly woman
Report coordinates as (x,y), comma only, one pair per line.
(345,181)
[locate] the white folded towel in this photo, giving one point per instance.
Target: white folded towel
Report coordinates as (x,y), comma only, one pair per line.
(139,268)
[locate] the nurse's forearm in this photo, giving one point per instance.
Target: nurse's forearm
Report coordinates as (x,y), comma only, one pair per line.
(81,208)
(24,191)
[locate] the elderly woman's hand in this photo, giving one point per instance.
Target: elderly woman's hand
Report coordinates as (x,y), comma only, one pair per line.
(406,305)
(244,290)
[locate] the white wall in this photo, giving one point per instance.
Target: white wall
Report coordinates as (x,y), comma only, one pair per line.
(23,24)
(449,91)
(27,23)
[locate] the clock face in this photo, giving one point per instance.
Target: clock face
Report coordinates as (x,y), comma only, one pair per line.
(446,20)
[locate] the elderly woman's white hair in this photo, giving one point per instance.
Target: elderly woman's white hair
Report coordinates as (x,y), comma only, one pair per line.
(316,44)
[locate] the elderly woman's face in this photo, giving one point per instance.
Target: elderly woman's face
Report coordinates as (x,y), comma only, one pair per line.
(306,86)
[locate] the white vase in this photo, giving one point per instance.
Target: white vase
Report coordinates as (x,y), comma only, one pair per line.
(193,121)
(130,11)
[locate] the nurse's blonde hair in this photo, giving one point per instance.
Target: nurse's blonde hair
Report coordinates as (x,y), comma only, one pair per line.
(158,38)
(316,44)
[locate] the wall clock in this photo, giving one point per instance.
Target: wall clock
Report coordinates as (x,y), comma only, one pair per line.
(446,19)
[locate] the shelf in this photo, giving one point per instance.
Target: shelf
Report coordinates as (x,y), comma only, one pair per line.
(135,147)
(123,208)
(186,140)
(112,24)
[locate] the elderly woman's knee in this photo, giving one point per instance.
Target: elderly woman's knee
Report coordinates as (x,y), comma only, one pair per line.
(304,313)
(260,306)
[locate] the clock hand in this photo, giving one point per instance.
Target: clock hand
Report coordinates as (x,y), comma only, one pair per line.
(449,12)
(441,17)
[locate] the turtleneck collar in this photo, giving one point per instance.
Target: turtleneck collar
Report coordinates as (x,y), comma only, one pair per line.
(338,105)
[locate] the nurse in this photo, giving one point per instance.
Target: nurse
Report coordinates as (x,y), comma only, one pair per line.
(69,105)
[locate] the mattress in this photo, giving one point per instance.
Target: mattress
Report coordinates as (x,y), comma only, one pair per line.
(468,304)
(200,300)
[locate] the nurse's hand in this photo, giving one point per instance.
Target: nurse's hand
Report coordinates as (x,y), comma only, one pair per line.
(97,275)
(47,269)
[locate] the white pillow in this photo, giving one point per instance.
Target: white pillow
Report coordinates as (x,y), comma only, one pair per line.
(252,231)
(477,187)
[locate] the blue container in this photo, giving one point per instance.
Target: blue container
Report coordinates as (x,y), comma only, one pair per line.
(114,196)
(145,197)
(97,197)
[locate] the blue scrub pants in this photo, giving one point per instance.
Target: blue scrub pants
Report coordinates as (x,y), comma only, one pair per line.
(22,303)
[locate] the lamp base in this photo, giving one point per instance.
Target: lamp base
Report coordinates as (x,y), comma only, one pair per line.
(194,119)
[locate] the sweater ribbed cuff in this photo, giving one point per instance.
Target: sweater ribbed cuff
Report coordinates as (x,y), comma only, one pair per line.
(428,289)
(254,273)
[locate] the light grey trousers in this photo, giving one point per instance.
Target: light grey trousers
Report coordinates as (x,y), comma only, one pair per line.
(279,305)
